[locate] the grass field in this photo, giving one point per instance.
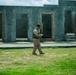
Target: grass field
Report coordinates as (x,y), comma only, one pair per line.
(55,61)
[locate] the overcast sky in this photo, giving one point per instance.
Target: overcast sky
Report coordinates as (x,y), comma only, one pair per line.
(28,2)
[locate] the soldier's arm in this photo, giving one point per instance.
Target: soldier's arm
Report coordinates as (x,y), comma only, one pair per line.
(36,33)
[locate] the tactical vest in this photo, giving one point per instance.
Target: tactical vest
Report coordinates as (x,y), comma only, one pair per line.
(34,36)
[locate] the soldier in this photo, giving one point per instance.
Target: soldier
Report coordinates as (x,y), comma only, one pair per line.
(36,40)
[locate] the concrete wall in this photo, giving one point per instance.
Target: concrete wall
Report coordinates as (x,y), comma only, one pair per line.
(11,13)
(65,5)
(9,24)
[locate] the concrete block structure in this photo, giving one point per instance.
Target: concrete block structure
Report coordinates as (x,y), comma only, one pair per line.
(56,21)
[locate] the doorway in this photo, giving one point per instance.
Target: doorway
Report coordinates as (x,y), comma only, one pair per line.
(69,26)
(0,26)
(47,26)
(22,27)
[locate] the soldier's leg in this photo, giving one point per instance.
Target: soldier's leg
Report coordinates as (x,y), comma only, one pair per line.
(39,47)
(35,45)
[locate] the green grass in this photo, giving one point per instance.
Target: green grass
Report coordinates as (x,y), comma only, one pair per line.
(55,61)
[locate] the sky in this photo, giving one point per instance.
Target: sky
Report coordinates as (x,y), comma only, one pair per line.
(28,2)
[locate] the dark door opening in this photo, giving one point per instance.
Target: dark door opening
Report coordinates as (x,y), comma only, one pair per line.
(22,27)
(0,26)
(69,26)
(47,25)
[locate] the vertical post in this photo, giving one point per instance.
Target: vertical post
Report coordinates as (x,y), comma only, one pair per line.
(75,23)
(30,29)
(52,26)
(73,20)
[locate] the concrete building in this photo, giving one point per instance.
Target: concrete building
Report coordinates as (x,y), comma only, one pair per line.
(56,20)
